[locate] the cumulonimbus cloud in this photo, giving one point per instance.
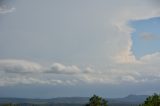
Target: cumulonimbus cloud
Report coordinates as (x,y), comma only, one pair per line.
(125,68)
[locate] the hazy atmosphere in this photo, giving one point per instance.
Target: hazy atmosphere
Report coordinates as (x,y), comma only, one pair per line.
(66,48)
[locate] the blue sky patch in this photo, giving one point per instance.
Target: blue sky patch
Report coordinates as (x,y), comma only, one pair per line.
(146,36)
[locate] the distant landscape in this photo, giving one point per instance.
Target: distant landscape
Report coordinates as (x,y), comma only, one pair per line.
(130,100)
(79,52)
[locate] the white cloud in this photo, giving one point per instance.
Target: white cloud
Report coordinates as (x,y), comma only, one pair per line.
(150,58)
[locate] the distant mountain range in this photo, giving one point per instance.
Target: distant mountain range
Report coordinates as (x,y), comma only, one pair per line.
(131,100)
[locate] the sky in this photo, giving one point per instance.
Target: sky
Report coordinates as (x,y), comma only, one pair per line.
(66,48)
(146,36)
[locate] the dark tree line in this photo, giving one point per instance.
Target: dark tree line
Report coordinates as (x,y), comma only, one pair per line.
(153,100)
(97,101)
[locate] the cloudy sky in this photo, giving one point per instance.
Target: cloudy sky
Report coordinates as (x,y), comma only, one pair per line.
(55,48)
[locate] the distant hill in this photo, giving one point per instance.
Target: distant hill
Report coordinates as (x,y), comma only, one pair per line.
(131,100)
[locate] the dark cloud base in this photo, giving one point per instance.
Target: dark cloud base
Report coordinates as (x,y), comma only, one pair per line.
(156,3)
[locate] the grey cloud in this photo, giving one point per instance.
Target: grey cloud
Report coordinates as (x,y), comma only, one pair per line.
(29,80)
(156,2)
(23,66)
(89,70)
(19,66)
(5,7)
(58,68)
(13,72)
(148,36)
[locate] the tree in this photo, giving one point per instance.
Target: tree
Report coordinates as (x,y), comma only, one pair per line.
(153,100)
(97,101)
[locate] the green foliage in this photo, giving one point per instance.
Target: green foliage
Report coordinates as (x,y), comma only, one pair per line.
(97,101)
(153,100)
